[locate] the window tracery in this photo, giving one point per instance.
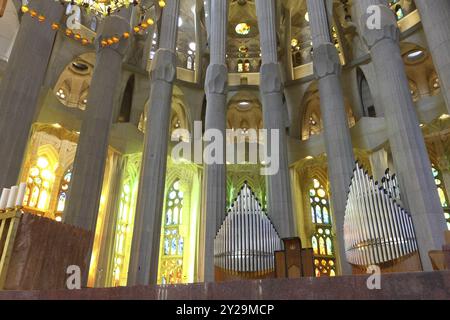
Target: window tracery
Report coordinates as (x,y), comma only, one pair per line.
(323,238)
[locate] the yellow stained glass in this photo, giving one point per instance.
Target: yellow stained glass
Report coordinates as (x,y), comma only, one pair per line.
(322,240)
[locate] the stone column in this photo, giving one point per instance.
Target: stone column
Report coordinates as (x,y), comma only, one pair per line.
(275,119)
(405,136)
(199,43)
(379,163)
(289,67)
(21,85)
(216,113)
(338,142)
(147,226)
(92,150)
(435,17)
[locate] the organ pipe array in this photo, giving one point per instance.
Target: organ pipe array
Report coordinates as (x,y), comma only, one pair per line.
(376,229)
(247,240)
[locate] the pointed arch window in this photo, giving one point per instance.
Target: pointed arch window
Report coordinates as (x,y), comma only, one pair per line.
(122,231)
(323,238)
(190,63)
(39,183)
(247,66)
(173,241)
(63,193)
(240,66)
(127,102)
(438,179)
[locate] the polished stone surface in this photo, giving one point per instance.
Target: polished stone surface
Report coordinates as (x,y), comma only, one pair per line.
(419,285)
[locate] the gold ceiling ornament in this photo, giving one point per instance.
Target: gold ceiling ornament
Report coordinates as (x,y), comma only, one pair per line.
(102,7)
(243,29)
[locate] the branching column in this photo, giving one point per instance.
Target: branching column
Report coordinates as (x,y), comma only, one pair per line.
(21,85)
(215,174)
(406,140)
(435,16)
(92,150)
(341,160)
(275,119)
(147,226)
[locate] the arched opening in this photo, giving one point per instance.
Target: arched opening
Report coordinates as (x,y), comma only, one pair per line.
(312,123)
(365,96)
(127,102)
(72,87)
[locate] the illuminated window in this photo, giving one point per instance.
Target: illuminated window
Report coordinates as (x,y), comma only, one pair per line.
(62,195)
(247,66)
(240,66)
(243,29)
(39,182)
(438,179)
(190,63)
(173,242)
(322,239)
(122,230)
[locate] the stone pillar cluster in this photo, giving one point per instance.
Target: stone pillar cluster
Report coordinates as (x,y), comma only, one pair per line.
(405,136)
(144,258)
(92,150)
(216,113)
(275,119)
(21,85)
(338,143)
(435,17)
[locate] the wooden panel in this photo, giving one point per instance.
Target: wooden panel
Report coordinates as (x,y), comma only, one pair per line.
(280,264)
(308,262)
(8,231)
(293,249)
(2,7)
(43,249)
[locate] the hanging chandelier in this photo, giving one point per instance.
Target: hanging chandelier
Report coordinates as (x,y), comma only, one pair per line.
(102,7)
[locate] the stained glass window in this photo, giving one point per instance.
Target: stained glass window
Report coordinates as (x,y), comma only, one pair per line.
(438,179)
(39,182)
(62,195)
(173,242)
(240,66)
(322,239)
(122,229)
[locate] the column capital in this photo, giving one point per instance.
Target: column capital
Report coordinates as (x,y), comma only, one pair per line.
(164,66)
(326,61)
(216,79)
(271,78)
(379,25)
(114,26)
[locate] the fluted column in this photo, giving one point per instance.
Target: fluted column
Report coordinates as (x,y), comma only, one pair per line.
(92,149)
(435,17)
(338,143)
(215,174)
(21,85)
(147,226)
(275,119)
(405,136)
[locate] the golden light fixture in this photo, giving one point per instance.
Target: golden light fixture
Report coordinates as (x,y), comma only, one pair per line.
(102,7)
(294,42)
(243,29)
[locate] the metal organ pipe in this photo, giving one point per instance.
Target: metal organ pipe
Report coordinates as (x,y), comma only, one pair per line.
(376,228)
